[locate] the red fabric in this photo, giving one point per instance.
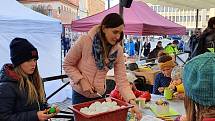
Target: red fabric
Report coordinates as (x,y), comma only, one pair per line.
(115,94)
(10,73)
(208,119)
(139,19)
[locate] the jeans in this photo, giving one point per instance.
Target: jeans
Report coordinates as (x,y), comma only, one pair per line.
(78,98)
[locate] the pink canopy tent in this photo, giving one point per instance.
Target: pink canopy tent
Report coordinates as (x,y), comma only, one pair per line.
(139,19)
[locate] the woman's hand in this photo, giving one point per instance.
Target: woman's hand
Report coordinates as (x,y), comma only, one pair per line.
(136,110)
(183,118)
(86,86)
(161,89)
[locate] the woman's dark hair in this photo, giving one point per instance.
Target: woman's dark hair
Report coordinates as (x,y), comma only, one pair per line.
(112,20)
(211,22)
(164,58)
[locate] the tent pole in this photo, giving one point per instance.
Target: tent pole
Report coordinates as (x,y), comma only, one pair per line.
(121,14)
(61,55)
(197,17)
(108,4)
(120,8)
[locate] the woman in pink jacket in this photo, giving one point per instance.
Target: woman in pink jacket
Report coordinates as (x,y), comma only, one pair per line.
(89,60)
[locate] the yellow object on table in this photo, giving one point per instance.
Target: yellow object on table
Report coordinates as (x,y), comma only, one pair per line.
(180,88)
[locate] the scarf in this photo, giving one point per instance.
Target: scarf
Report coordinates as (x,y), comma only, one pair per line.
(97,54)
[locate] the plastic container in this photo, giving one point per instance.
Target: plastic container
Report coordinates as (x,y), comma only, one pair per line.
(115,115)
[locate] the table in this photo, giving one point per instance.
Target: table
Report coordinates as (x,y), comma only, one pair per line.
(178,105)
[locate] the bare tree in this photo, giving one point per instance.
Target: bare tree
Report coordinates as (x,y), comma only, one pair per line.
(40,8)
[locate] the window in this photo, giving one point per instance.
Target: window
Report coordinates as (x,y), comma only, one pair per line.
(159,8)
(177,18)
(207,17)
(185,18)
(170,9)
(166,9)
(155,8)
(173,18)
(181,18)
(49,12)
(192,19)
(200,17)
(59,10)
(188,18)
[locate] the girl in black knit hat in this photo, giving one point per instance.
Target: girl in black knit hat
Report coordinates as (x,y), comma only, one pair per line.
(22,96)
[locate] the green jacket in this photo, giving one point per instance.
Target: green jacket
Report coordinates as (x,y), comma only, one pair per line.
(171,50)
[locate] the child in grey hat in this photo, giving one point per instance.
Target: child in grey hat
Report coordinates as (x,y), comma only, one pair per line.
(176,84)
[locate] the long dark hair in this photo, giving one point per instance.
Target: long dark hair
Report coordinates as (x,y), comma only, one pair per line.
(211,22)
(111,20)
(196,112)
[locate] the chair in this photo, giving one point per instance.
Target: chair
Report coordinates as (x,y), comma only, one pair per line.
(141,85)
(132,66)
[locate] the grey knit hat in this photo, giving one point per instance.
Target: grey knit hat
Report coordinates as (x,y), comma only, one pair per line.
(177,72)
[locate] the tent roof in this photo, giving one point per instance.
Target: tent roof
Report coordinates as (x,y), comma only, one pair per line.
(16,18)
(139,19)
(188,4)
(13,10)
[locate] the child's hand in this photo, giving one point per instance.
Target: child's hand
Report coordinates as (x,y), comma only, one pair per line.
(43,116)
(172,86)
(161,89)
(179,96)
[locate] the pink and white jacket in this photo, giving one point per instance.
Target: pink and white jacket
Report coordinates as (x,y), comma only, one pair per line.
(79,63)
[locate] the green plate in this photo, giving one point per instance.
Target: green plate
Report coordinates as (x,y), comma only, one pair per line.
(171,112)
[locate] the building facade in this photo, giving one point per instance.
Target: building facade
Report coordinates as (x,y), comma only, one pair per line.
(185,17)
(95,6)
(83,9)
(64,10)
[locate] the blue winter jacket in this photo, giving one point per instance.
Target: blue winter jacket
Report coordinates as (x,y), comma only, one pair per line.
(160,81)
(13,102)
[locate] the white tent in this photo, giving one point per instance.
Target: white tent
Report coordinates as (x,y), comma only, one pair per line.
(43,32)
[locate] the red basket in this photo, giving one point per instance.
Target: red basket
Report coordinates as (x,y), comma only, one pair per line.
(115,115)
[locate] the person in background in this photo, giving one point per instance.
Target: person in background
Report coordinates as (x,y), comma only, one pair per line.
(198,80)
(131,78)
(89,60)
(163,79)
(206,39)
(131,46)
(137,46)
(147,47)
(172,49)
(176,83)
(154,53)
(181,45)
(194,39)
(22,96)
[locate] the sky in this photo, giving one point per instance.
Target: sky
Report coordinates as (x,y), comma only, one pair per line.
(112,3)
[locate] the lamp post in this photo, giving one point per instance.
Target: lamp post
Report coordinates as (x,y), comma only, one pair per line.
(120,8)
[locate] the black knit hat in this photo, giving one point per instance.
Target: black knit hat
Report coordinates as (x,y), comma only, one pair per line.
(22,50)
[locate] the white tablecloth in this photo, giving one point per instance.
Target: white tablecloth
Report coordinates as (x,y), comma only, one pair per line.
(177,105)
